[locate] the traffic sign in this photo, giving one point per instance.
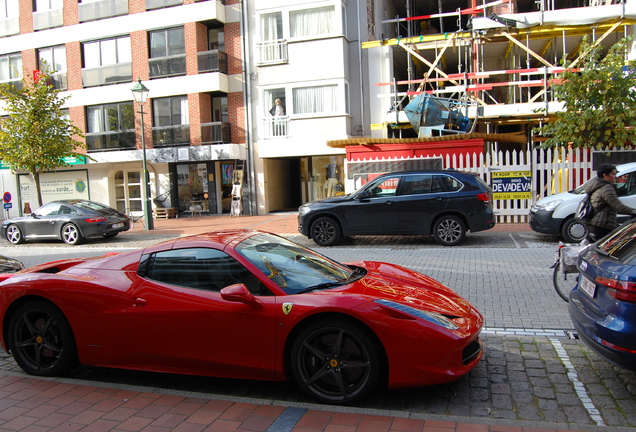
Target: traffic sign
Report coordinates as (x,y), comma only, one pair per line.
(7,206)
(6,197)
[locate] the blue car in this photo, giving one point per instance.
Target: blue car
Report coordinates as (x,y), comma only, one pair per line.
(603,303)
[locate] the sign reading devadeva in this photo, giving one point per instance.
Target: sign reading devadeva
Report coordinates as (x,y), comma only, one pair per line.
(512,185)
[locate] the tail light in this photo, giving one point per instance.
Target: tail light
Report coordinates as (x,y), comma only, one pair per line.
(484,196)
(620,290)
(96,219)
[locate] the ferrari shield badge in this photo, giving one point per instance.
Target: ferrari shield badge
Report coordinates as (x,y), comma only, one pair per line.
(287,307)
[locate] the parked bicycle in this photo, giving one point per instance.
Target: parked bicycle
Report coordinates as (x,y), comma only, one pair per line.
(566,275)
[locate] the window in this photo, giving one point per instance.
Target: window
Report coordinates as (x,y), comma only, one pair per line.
(10,67)
(416,184)
(167,52)
(199,268)
(48,210)
(48,5)
(450,184)
(386,187)
(219,109)
(52,61)
(9,9)
(128,191)
(314,100)
(312,22)
(271,26)
(171,123)
(107,52)
(110,126)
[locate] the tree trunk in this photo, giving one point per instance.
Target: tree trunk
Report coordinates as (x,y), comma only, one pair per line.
(38,190)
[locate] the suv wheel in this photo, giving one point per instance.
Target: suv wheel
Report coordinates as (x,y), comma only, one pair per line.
(325,231)
(449,230)
(574,231)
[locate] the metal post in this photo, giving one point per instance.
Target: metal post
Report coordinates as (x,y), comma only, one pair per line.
(148,221)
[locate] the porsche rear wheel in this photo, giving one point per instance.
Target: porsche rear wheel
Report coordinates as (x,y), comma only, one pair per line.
(336,362)
(71,234)
(41,340)
(14,234)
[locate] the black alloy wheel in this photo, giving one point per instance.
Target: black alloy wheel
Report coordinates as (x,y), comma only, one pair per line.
(336,362)
(41,340)
(325,231)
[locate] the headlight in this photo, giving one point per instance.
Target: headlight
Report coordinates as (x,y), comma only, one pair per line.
(547,207)
(303,210)
(432,317)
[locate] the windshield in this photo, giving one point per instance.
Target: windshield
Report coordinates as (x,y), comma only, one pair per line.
(292,267)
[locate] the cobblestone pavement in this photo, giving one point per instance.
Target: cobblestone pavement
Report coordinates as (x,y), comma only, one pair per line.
(534,373)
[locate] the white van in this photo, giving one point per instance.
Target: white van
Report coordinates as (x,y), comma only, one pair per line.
(555,214)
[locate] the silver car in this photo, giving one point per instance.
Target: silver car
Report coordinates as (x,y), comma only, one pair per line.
(69,220)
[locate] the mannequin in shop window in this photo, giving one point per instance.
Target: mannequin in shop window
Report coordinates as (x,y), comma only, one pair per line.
(236,207)
(333,177)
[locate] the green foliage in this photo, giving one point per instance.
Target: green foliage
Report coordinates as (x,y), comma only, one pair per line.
(35,135)
(599,101)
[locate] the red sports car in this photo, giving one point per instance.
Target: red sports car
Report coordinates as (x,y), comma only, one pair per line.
(242,304)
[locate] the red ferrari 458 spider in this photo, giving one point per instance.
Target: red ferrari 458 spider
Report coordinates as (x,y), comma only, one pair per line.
(242,304)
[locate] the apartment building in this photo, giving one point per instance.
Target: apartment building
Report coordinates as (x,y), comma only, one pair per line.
(307,85)
(499,55)
(187,53)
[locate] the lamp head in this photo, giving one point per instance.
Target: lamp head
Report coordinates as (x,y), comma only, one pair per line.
(140,92)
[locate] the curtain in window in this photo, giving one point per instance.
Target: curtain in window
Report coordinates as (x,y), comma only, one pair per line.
(271,26)
(320,99)
(94,117)
(184,111)
(311,22)
(10,67)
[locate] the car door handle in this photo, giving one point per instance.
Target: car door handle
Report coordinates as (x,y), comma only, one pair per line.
(139,302)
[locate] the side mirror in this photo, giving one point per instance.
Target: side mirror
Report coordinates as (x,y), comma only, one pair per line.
(33,215)
(363,195)
(239,293)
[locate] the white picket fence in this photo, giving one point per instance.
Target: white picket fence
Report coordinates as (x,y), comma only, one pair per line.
(552,170)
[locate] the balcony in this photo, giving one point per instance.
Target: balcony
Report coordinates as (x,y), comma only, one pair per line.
(101,9)
(167,66)
(165,136)
(215,133)
(272,52)
(107,75)
(212,61)
(105,141)
(48,19)
(158,4)
(9,26)
(275,127)
(59,81)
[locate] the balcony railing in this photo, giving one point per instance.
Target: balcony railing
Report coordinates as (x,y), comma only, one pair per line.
(167,66)
(9,27)
(107,75)
(276,127)
(101,9)
(48,19)
(156,4)
(272,52)
(104,141)
(59,81)
(212,61)
(215,133)
(163,136)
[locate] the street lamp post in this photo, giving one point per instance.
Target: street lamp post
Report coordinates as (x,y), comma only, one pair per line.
(140,93)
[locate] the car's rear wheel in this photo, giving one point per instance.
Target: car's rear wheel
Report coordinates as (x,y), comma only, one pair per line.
(41,340)
(325,231)
(449,230)
(14,234)
(71,234)
(336,361)
(573,230)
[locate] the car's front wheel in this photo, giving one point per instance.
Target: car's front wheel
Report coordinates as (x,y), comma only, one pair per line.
(336,361)
(14,234)
(41,340)
(71,234)
(449,230)
(325,231)
(574,231)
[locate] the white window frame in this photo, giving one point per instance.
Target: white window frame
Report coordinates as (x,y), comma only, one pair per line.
(337,23)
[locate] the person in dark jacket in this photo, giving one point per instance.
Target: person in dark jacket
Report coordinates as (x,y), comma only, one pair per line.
(604,198)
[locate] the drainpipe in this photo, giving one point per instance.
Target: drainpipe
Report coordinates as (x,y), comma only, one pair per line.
(247,102)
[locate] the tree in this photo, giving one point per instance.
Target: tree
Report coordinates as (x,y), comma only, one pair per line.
(36,136)
(599,101)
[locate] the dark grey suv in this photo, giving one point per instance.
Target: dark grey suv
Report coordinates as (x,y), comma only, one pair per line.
(445,204)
